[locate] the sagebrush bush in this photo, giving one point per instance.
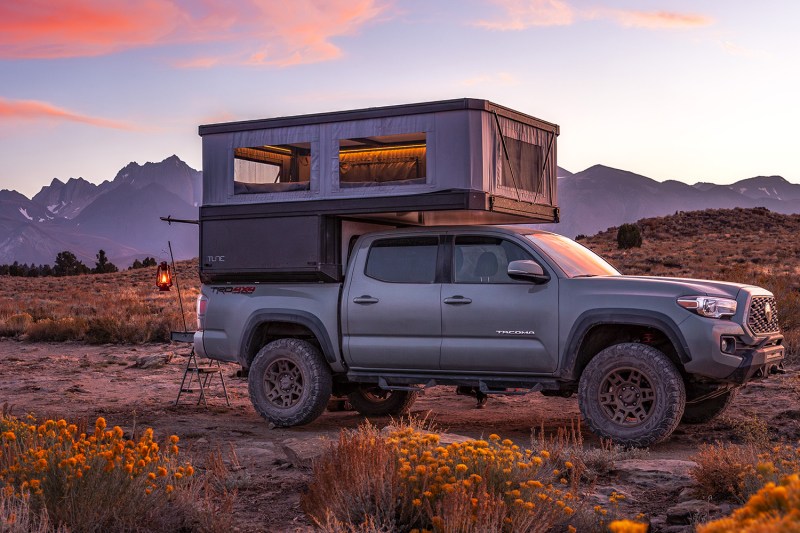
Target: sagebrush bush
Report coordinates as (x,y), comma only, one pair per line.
(408,481)
(97,481)
(15,325)
(722,471)
(773,509)
(735,472)
(57,330)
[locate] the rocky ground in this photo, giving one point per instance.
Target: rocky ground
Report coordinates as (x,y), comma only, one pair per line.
(137,386)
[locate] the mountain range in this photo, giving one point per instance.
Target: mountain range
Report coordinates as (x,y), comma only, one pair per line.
(601,197)
(121,216)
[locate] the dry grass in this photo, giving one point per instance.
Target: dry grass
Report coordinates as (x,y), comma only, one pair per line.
(123,307)
(752,246)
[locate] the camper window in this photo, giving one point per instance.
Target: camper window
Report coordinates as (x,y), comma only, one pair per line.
(526,161)
(383,160)
(270,169)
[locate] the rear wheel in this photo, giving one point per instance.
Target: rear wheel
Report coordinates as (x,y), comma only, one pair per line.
(709,409)
(373,401)
(632,394)
(289,382)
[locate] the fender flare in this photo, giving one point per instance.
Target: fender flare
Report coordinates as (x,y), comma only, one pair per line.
(301,318)
(598,317)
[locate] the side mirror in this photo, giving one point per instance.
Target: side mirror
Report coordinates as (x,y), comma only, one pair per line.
(527,270)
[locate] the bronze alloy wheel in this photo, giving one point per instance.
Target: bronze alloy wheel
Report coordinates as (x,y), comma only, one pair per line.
(631,393)
(290,382)
(626,396)
(283,382)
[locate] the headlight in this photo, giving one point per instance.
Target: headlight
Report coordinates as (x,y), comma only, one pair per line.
(709,306)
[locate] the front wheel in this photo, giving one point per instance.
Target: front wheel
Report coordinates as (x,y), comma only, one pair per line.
(289,382)
(373,401)
(632,394)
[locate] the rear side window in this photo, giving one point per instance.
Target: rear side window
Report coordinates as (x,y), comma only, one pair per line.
(403,260)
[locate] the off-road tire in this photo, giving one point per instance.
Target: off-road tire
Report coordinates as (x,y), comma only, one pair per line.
(708,410)
(371,401)
(290,383)
(632,394)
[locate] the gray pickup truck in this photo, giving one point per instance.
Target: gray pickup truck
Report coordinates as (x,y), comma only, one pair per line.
(494,310)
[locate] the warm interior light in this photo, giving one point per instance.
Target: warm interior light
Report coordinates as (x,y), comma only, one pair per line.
(348,150)
(163,277)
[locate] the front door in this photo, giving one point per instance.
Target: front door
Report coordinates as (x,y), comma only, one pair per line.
(490,322)
(392,312)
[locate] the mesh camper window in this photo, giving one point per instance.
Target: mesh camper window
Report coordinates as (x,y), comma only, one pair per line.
(383,160)
(281,168)
(526,161)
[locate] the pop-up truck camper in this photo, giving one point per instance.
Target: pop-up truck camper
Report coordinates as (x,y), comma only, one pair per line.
(283,196)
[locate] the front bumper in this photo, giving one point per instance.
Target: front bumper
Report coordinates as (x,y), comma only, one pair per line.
(753,358)
(760,361)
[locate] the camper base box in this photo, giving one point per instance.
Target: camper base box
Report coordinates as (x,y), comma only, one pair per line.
(291,248)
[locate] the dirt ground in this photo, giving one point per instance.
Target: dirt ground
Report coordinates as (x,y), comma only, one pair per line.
(81,382)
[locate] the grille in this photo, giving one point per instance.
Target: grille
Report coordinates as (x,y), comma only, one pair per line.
(758,318)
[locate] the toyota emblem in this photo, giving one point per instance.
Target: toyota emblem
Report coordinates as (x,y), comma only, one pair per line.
(768,312)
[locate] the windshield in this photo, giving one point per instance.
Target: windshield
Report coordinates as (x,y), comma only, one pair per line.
(575,260)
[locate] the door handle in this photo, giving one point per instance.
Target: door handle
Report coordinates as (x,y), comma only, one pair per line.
(366,299)
(457,300)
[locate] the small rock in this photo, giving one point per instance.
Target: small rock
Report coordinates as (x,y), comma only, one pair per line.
(153,360)
(301,453)
(667,475)
(691,511)
(201,440)
(271,426)
(77,389)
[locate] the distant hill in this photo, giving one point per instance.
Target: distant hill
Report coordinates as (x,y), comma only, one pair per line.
(119,216)
(601,197)
(712,244)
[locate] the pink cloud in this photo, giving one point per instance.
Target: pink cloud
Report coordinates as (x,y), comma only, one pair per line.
(35,110)
(254,32)
(523,14)
(659,19)
(54,29)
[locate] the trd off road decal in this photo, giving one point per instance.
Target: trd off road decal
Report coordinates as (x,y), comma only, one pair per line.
(234,290)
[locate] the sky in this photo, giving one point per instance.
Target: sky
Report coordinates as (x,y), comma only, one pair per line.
(703,90)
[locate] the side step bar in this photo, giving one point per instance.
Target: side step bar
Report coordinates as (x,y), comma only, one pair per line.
(385,386)
(482,386)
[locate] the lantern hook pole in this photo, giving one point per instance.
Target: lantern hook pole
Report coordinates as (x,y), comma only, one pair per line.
(177,285)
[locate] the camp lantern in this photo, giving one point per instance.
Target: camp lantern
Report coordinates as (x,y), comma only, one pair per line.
(163,277)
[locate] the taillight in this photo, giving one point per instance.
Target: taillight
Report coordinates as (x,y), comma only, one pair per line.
(202,305)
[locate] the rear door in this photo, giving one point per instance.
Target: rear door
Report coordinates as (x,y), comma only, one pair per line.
(490,322)
(391,309)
